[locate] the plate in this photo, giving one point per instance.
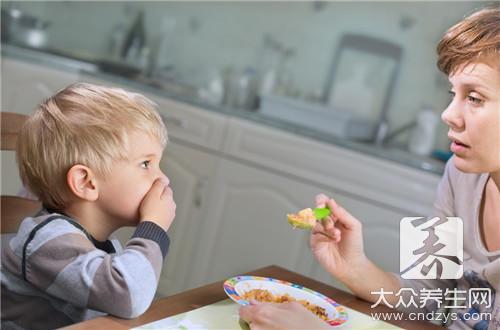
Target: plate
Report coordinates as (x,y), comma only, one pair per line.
(235,287)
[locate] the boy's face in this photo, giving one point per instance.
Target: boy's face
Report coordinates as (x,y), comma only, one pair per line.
(473,117)
(122,191)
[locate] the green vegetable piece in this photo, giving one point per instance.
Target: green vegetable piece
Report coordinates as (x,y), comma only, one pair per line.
(321,213)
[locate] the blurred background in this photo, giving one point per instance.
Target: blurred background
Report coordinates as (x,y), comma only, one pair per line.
(267,104)
(286,48)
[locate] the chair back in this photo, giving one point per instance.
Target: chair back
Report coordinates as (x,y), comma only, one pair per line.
(13,208)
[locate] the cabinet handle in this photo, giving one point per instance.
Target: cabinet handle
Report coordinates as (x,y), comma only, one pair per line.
(198,192)
(179,122)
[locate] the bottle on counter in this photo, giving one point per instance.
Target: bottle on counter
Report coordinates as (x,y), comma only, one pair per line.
(244,89)
(213,91)
(117,40)
(241,88)
(135,41)
(268,82)
(424,133)
(267,64)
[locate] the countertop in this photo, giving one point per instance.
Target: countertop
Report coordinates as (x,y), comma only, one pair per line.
(89,66)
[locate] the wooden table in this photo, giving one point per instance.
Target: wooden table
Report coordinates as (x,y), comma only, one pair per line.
(212,293)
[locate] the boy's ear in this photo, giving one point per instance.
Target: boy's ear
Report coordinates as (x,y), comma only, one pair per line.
(82,182)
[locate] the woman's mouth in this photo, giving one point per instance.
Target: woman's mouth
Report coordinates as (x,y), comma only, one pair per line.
(458,147)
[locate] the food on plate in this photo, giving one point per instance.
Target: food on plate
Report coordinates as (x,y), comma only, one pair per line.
(266,296)
(305,219)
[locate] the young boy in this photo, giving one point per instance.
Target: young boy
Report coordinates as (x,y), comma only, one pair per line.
(91,154)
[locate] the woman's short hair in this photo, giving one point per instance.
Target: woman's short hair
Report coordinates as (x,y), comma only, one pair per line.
(81,124)
(474,39)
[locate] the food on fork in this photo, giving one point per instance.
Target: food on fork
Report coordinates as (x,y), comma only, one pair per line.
(266,296)
(306,218)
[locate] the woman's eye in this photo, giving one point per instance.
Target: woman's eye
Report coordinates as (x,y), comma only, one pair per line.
(145,164)
(452,94)
(474,100)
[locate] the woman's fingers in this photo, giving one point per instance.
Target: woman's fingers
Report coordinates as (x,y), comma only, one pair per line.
(331,227)
(341,215)
(258,313)
(326,228)
(321,200)
(247,312)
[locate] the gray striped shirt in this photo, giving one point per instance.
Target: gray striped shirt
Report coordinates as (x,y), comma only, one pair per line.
(54,273)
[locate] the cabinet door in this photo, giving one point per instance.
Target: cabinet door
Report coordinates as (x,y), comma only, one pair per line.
(25,85)
(246,227)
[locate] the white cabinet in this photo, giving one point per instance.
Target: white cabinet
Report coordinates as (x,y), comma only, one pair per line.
(191,173)
(394,186)
(25,85)
(246,227)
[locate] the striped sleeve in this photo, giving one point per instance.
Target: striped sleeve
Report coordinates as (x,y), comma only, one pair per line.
(62,261)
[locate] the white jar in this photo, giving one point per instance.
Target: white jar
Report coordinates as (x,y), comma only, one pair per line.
(424,133)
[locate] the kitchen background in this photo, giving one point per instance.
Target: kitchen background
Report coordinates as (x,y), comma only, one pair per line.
(267,104)
(195,42)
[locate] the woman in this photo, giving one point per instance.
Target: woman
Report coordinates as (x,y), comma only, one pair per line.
(469,53)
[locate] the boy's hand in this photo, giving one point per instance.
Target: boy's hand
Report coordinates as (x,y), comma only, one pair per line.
(158,205)
(337,241)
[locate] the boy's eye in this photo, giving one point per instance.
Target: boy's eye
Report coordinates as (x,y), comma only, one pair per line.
(145,164)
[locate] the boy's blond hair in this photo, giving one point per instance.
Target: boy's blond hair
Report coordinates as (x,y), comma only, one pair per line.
(474,39)
(81,124)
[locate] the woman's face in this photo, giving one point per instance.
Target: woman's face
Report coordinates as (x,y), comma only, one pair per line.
(473,118)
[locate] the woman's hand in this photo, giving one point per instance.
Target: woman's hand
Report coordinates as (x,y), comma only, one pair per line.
(290,316)
(337,241)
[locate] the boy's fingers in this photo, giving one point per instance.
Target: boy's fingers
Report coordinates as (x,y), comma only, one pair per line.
(159,184)
(161,188)
(167,191)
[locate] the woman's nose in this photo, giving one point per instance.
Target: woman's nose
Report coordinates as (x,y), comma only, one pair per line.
(452,116)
